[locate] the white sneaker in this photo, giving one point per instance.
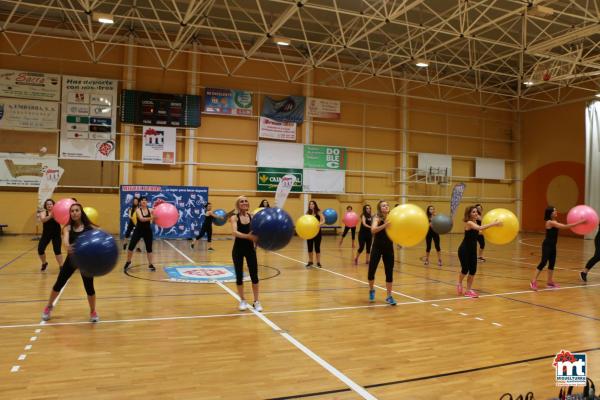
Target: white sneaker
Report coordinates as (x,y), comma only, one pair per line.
(257,306)
(243,305)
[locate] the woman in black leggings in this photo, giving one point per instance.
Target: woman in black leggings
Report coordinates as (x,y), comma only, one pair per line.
(50,233)
(142,230)
(467,251)
(595,258)
(383,248)
(351,229)
(432,235)
(313,209)
(78,223)
(365,238)
(206,228)
(549,247)
(243,247)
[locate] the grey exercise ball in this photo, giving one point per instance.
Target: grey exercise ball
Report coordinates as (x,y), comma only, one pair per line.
(441,224)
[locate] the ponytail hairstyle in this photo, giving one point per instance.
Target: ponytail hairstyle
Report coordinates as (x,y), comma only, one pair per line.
(236,210)
(548,213)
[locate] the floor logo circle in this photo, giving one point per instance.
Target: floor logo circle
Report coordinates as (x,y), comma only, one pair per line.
(201,273)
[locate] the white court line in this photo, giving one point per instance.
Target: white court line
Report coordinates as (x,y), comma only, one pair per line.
(495,323)
(28,347)
(15,368)
(479,319)
(463,314)
(335,372)
(22,357)
(349,277)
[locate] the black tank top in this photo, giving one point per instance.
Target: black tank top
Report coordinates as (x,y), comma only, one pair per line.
(551,236)
(243,228)
(208,219)
(50,227)
(382,242)
(73,235)
(143,226)
(470,239)
(318,217)
(368,221)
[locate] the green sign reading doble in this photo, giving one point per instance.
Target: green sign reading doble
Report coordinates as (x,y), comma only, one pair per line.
(267,179)
(324,157)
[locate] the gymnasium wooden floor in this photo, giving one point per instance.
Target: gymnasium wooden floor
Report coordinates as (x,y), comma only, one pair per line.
(318,338)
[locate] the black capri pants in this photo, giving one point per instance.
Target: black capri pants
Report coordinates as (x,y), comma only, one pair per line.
(596,257)
(138,234)
(315,242)
(431,235)
(388,263)
(468,260)
(66,272)
(238,255)
(548,256)
(353,230)
(130,227)
(205,230)
(45,240)
(481,241)
(365,239)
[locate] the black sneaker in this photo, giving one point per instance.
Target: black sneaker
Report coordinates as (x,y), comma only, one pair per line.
(319,265)
(44,266)
(151,267)
(583,276)
(211,249)
(125,246)
(192,246)
(138,250)
(309,264)
(127,264)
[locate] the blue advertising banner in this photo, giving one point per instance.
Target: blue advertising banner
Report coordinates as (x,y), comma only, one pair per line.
(290,109)
(227,102)
(189,200)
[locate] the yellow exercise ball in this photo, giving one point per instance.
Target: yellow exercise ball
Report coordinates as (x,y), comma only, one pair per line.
(408,225)
(501,234)
(92,214)
(257,210)
(307,227)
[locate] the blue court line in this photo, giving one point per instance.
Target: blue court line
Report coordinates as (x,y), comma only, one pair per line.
(17,257)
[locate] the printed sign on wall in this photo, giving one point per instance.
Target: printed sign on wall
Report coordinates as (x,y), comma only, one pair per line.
(267,179)
(227,102)
(189,200)
(21,169)
(159,145)
(323,108)
(324,157)
(29,85)
(89,116)
(271,129)
(28,114)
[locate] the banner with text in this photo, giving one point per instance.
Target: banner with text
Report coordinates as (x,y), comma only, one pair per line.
(289,109)
(28,114)
(271,129)
(24,169)
(159,145)
(323,108)
(29,85)
(89,118)
(324,157)
(227,102)
(189,200)
(267,179)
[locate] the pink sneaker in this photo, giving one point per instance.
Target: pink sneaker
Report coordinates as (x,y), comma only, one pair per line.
(552,285)
(46,313)
(471,293)
(459,289)
(533,286)
(94,317)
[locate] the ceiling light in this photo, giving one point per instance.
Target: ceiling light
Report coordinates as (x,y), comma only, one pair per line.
(281,41)
(528,83)
(421,63)
(103,18)
(598,95)
(540,11)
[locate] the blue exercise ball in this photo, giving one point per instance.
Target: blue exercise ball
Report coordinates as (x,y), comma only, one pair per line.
(441,224)
(95,253)
(220,217)
(273,227)
(330,216)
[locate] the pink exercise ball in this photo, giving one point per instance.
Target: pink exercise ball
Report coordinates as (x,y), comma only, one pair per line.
(165,215)
(350,219)
(580,212)
(61,210)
